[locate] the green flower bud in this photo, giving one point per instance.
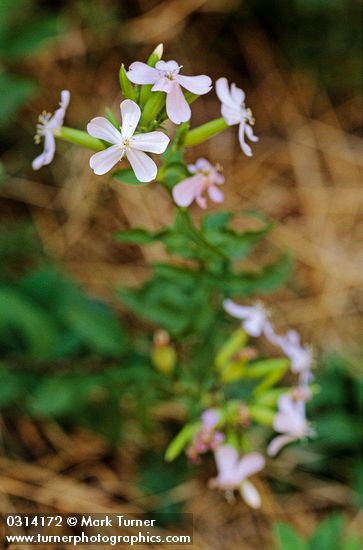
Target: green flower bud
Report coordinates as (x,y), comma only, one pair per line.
(127,88)
(153,107)
(145,91)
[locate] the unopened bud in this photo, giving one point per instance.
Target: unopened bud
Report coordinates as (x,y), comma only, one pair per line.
(126,87)
(163,354)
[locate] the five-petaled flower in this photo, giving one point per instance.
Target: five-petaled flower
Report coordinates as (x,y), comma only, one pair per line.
(126,143)
(234,111)
(290,420)
(165,77)
(47,125)
(233,472)
(205,178)
(254,317)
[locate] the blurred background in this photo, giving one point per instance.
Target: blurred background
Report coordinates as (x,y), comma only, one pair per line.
(60,266)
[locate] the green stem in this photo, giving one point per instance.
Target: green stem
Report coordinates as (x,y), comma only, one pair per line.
(80,138)
(200,237)
(205,131)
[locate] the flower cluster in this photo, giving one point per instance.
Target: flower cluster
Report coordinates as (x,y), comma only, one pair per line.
(153,92)
(224,429)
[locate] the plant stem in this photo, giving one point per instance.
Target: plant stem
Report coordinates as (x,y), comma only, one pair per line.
(80,138)
(205,131)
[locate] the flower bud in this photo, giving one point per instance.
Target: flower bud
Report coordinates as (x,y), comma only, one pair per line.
(145,91)
(163,354)
(153,107)
(127,88)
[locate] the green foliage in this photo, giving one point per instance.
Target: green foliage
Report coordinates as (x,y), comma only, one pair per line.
(14,92)
(185,299)
(47,316)
(336,449)
(330,534)
(23,31)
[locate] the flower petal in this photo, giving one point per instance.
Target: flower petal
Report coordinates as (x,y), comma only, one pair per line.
(47,155)
(144,167)
(250,464)
(167,66)
(215,194)
(210,418)
(58,117)
(237,95)
(199,85)
(250,494)
(185,192)
(130,115)
(151,142)
(241,136)
(102,128)
(223,93)
(177,107)
(103,161)
(249,133)
(277,443)
(232,115)
(141,73)
(226,458)
(240,312)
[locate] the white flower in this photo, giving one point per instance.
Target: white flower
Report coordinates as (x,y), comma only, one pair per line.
(301,356)
(165,77)
(47,125)
(254,317)
(290,421)
(233,472)
(126,143)
(234,111)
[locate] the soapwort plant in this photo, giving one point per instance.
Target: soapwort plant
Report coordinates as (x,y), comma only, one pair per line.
(233,396)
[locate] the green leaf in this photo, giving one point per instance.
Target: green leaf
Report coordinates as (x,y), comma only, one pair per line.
(33,324)
(174,173)
(138,236)
(60,395)
(216,221)
(179,442)
(11,386)
(14,92)
(32,35)
(287,538)
(127,176)
(326,535)
(96,325)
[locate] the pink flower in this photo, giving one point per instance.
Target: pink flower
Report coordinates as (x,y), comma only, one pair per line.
(290,421)
(165,77)
(233,472)
(46,128)
(206,438)
(234,111)
(126,143)
(206,178)
(254,317)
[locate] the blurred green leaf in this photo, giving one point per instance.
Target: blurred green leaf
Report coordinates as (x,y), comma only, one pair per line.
(35,326)
(326,536)
(14,92)
(287,538)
